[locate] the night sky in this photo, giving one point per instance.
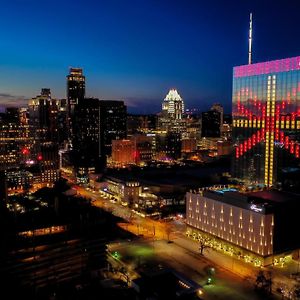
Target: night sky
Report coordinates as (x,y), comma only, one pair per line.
(138,50)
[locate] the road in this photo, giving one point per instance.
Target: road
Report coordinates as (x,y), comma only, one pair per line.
(182,254)
(225,285)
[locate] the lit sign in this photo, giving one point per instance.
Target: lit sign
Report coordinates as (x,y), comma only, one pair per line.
(256,208)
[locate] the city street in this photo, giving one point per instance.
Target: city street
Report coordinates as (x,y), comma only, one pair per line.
(182,253)
(225,285)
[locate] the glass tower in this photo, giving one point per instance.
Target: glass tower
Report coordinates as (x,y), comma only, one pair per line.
(75,88)
(266,121)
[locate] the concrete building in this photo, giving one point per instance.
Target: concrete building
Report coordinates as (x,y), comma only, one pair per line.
(143,147)
(123,152)
(124,191)
(188,145)
(224,147)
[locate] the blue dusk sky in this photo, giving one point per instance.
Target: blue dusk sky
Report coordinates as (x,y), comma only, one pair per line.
(136,50)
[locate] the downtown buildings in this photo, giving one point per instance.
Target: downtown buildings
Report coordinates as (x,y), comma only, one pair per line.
(96,124)
(258,226)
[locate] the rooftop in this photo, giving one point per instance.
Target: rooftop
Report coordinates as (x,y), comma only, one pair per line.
(274,66)
(263,202)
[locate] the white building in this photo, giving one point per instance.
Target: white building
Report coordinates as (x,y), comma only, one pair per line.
(173,105)
(243,224)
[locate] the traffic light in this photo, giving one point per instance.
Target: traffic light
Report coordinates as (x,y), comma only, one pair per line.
(116,254)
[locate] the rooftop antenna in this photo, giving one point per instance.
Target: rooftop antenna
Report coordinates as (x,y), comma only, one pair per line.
(250,41)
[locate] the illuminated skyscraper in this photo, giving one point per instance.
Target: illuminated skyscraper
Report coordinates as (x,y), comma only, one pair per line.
(75,88)
(173,105)
(171,118)
(266,120)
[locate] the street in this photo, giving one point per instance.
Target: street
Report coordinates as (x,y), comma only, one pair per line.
(181,253)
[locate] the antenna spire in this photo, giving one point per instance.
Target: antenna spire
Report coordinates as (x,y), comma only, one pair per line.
(250,41)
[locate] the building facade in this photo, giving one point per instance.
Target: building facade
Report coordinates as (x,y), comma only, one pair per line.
(123,152)
(171,119)
(75,88)
(113,116)
(245,225)
(87,156)
(266,121)
(16,141)
(173,105)
(211,124)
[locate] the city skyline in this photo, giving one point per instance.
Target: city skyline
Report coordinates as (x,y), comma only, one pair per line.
(124,49)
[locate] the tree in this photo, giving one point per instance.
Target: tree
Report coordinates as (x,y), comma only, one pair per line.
(264,283)
(168,229)
(204,243)
(260,279)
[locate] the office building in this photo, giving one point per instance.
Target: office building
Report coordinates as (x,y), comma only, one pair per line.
(141,123)
(87,156)
(123,152)
(143,145)
(211,124)
(75,88)
(252,226)
(47,117)
(266,121)
(113,116)
(188,145)
(15,139)
(218,107)
(173,105)
(171,118)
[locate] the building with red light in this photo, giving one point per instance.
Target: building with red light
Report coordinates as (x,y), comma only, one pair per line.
(123,152)
(188,145)
(266,121)
(15,140)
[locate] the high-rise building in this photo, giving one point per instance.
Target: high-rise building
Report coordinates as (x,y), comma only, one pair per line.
(171,119)
(218,107)
(123,152)
(75,88)
(44,112)
(15,139)
(113,116)
(211,124)
(266,120)
(173,105)
(96,124)
(87,155)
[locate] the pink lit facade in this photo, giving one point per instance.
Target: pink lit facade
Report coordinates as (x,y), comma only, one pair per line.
(275,66)
(246,227)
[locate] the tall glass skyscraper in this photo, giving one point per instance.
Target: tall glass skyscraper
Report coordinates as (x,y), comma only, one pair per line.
(266,121)
(75,88)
